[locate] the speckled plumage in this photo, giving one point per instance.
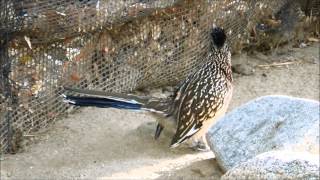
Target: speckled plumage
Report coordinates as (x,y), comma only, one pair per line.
(197,102)
(202,95)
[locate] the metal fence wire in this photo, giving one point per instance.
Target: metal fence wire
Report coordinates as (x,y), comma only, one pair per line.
(120,46)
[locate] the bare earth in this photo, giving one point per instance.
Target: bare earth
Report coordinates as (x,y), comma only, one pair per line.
(118,144)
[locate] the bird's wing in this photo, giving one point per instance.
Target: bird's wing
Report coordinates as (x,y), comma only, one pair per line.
(175,99)
(201,99)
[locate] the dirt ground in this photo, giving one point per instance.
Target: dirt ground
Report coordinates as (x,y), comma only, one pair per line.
(118,144)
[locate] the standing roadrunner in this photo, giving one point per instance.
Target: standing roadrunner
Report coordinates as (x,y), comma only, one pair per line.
(197,102)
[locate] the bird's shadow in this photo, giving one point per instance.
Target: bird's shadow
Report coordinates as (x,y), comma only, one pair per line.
(143,135)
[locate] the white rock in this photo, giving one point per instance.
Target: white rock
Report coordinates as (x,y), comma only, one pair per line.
(265,124)
(277,165)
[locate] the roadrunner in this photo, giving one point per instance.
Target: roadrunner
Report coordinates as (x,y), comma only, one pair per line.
(194,106)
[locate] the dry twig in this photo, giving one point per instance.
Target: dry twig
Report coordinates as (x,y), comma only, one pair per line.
(278,64)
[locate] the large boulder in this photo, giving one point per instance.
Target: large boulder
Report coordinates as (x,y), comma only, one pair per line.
(265,124)
(277,165)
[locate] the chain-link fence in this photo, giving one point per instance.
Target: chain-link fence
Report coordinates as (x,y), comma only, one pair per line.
(120,46)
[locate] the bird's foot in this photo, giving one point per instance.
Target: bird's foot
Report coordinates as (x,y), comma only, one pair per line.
(200,146)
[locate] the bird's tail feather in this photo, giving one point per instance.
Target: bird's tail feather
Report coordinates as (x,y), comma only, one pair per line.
(100,102)
(109,95)
(115,100)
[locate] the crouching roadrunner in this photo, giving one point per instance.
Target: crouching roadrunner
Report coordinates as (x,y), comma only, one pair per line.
(195,105)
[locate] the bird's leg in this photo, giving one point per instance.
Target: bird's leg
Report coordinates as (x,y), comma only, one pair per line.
(163,122)
(158,131)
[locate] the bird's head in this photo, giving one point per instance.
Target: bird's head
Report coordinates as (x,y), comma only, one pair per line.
(219,37)
(220,49)
(219,43)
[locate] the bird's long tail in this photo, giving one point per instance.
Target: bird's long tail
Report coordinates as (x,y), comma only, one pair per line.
(114,100)
(103,100)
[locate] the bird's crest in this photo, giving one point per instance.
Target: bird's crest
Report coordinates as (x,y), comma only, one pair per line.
(219,36)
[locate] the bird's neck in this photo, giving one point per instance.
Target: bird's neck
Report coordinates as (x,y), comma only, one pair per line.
(223,62)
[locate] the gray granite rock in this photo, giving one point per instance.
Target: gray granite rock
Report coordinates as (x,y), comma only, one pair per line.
(277,165)
(265,124)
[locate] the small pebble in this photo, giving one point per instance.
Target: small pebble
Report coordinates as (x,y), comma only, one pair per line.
(303,45)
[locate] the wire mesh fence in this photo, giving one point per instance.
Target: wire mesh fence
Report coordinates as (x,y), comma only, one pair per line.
(120,46)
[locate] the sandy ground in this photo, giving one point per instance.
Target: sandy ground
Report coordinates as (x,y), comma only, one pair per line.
(117,144)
